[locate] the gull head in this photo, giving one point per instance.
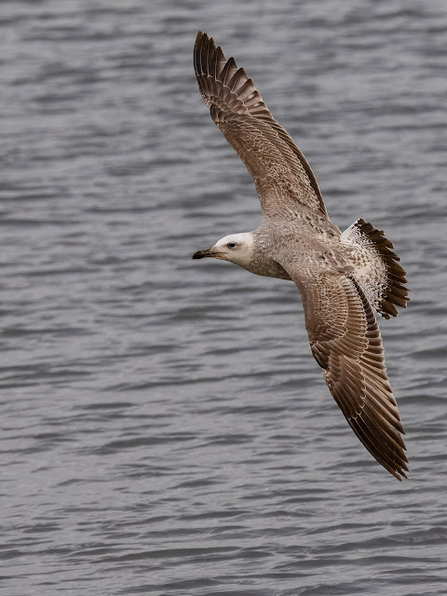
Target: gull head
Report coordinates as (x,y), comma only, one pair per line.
(236,248)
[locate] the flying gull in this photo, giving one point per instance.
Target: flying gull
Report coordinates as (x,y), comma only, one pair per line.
(344,278)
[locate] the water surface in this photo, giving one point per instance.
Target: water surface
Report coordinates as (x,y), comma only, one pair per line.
(165,429)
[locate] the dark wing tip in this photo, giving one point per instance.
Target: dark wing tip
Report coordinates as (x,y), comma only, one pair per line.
(381,442)
(204,51)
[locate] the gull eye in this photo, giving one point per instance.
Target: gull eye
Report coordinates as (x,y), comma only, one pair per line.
(231,245)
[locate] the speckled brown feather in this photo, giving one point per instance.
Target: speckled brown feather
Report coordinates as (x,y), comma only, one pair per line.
(377,270)
(346,342)
(281,174)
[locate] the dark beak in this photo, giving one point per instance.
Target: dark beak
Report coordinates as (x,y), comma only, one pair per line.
(202,254)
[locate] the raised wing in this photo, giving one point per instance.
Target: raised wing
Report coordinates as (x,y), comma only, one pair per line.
(282,176)
(346,342)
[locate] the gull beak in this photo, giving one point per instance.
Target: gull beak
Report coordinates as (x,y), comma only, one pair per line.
(209,252)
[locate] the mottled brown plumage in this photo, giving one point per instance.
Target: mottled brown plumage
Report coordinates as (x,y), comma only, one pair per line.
(343,278)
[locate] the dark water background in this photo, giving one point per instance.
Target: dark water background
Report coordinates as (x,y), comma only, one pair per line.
(164,428)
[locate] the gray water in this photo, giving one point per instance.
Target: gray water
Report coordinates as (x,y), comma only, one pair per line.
(164,427)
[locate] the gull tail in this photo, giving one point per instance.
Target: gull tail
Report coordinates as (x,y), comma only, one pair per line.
(376,269)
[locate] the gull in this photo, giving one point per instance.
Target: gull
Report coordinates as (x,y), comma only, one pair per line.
(345,279)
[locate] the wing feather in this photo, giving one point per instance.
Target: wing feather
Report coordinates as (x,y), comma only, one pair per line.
(282,176)
(346,342)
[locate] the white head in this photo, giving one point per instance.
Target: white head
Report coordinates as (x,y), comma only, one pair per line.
(236,248)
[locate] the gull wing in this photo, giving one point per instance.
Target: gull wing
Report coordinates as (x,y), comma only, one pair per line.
(282,176)
(346,342)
